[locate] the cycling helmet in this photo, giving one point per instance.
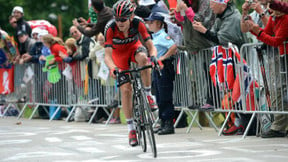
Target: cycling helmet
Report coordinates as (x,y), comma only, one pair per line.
(123,8)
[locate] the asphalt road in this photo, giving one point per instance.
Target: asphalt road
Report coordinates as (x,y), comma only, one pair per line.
(58,141)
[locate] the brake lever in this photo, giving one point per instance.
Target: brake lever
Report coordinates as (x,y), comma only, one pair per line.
(158,67)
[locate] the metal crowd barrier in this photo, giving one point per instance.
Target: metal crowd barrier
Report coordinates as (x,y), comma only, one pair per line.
(22,90)
(191,85)
(80,91)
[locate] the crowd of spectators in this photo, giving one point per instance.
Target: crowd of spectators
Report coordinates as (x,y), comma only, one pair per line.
(192,24)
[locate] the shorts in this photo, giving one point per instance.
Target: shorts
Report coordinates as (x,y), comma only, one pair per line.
(122,58)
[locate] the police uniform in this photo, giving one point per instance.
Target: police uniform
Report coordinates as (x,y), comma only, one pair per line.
(164,84)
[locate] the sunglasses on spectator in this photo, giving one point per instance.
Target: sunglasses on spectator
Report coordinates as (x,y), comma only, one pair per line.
(121,19)
(14,22)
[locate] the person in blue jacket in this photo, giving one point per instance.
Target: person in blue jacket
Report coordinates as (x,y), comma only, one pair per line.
(163,85)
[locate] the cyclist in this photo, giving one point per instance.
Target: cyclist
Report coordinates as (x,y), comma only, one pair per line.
(122,45)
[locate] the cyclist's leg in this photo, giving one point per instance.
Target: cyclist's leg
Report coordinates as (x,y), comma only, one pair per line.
(142,60)
(121,60)
(126,97)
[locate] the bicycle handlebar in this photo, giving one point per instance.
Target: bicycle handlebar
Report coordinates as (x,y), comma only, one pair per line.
(137,69)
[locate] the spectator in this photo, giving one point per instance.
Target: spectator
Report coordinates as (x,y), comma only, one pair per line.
(71,47)
(225,30)
(104,14)
(36,50)
(274,34)
(22,25)
(277,5)
(57,48)
(150,6)
(8,50)
(258,16)
(227,24)
(197,10)
(163,84)
(13,21)
(83,43)
(26,44)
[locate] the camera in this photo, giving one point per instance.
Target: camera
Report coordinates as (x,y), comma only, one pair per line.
(79,20)
(250,2)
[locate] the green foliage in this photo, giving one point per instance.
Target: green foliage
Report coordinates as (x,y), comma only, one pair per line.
(36,10)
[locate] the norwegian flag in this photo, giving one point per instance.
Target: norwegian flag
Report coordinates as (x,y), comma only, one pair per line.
(221,68)
(222,75)
(248,83)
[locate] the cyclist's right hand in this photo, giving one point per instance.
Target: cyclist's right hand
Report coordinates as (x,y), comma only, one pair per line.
(113,72)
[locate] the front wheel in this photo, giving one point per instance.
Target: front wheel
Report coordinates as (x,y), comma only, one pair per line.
(139,124)
(148,116)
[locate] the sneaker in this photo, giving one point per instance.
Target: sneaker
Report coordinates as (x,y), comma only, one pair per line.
(234,130)
(152,103)
(207,107)
(133,138)
(272,134)
(113,121)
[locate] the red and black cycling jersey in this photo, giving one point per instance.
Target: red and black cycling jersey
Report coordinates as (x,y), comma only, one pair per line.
(116,39)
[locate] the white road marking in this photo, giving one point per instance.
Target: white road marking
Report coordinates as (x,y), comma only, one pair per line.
(15,134)
(81,138)
(53,139)
(30,155)
(90,150)
(71,131)
(180,154)
(10,142)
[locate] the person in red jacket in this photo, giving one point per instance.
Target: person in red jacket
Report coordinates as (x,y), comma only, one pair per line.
(277,5)
(57,48)
(275,32)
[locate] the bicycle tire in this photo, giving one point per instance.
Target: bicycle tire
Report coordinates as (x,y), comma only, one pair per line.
(149,125)
(140,128)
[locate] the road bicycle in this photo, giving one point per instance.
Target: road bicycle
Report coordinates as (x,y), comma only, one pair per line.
(142,113)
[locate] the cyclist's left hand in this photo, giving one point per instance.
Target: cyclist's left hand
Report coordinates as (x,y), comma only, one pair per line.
(156,62)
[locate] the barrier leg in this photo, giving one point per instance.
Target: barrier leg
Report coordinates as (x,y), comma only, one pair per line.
(93,115)
(248,126)
(70,114)
(225,122)
(192,121)
(6,109)
(178,118)
(54,114)
(22,111)
(110,116)
(208,115)
(34,111)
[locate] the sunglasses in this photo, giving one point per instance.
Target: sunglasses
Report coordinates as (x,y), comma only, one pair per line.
(121,19)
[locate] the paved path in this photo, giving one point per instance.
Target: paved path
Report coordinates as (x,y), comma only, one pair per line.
(58,141)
